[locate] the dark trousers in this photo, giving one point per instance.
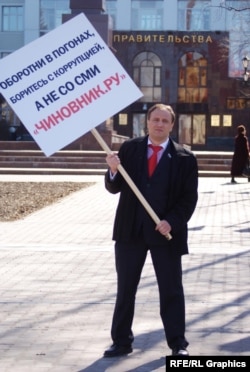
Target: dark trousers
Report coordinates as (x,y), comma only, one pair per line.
(130,259)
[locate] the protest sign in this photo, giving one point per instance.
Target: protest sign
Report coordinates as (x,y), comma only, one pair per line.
(65,83)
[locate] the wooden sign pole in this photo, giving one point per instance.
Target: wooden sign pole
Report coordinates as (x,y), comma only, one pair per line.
(130,182)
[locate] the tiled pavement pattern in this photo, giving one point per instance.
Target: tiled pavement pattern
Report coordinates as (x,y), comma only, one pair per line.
(58,284)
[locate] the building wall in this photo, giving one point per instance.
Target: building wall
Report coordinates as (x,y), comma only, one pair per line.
(221,87)
(13,40)
(170,46)
(31,21)
(10,41)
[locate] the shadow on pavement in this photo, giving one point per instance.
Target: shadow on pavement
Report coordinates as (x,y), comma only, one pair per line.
(118,363)
(103,364)
(239,346)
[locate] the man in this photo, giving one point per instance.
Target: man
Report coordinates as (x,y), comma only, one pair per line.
(171,191)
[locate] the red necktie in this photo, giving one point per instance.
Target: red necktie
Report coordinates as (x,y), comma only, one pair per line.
(152,161)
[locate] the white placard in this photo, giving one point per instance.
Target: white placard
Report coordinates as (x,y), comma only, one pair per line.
(65,83)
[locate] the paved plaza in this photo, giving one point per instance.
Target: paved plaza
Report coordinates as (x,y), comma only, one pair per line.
(58,283)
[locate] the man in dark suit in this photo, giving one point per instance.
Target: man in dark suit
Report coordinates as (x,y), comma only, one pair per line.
(171,191)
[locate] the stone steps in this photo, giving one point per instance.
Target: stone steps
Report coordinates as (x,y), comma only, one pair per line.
(62,162)
(214,163)
(78,162)
(53,171)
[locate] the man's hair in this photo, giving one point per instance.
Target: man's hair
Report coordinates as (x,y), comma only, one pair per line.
(161,106)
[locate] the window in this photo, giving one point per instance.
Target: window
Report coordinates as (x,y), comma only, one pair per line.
(193,15)
(238,103)
(192,78)
(111,9)
(215,120)
(51,12)
(147,68)
(237,19)
(147,15)
(123,119)
(12,18)
(227,120)
(224,120)
(237,22)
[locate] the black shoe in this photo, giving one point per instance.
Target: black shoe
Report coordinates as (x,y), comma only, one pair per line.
(117,350)
(180,351)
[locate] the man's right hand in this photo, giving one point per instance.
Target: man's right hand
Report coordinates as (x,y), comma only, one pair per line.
(113,162)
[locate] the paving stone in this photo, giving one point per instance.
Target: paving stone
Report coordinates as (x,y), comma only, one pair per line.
(58,283)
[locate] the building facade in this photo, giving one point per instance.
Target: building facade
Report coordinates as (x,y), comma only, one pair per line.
(22,21)
(187,53)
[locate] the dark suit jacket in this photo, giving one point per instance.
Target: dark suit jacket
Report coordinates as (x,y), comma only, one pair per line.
(171,192)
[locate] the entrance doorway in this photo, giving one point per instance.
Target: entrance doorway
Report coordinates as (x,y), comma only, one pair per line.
(139,124)
(192,129)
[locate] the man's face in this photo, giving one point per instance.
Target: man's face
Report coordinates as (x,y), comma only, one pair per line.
(159,125)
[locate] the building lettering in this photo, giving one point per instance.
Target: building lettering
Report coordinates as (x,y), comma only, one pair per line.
(161,38)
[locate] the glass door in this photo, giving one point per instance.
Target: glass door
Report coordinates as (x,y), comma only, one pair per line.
(192,129)
(139,124)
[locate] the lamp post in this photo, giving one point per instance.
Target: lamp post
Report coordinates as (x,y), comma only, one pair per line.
(245,63)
